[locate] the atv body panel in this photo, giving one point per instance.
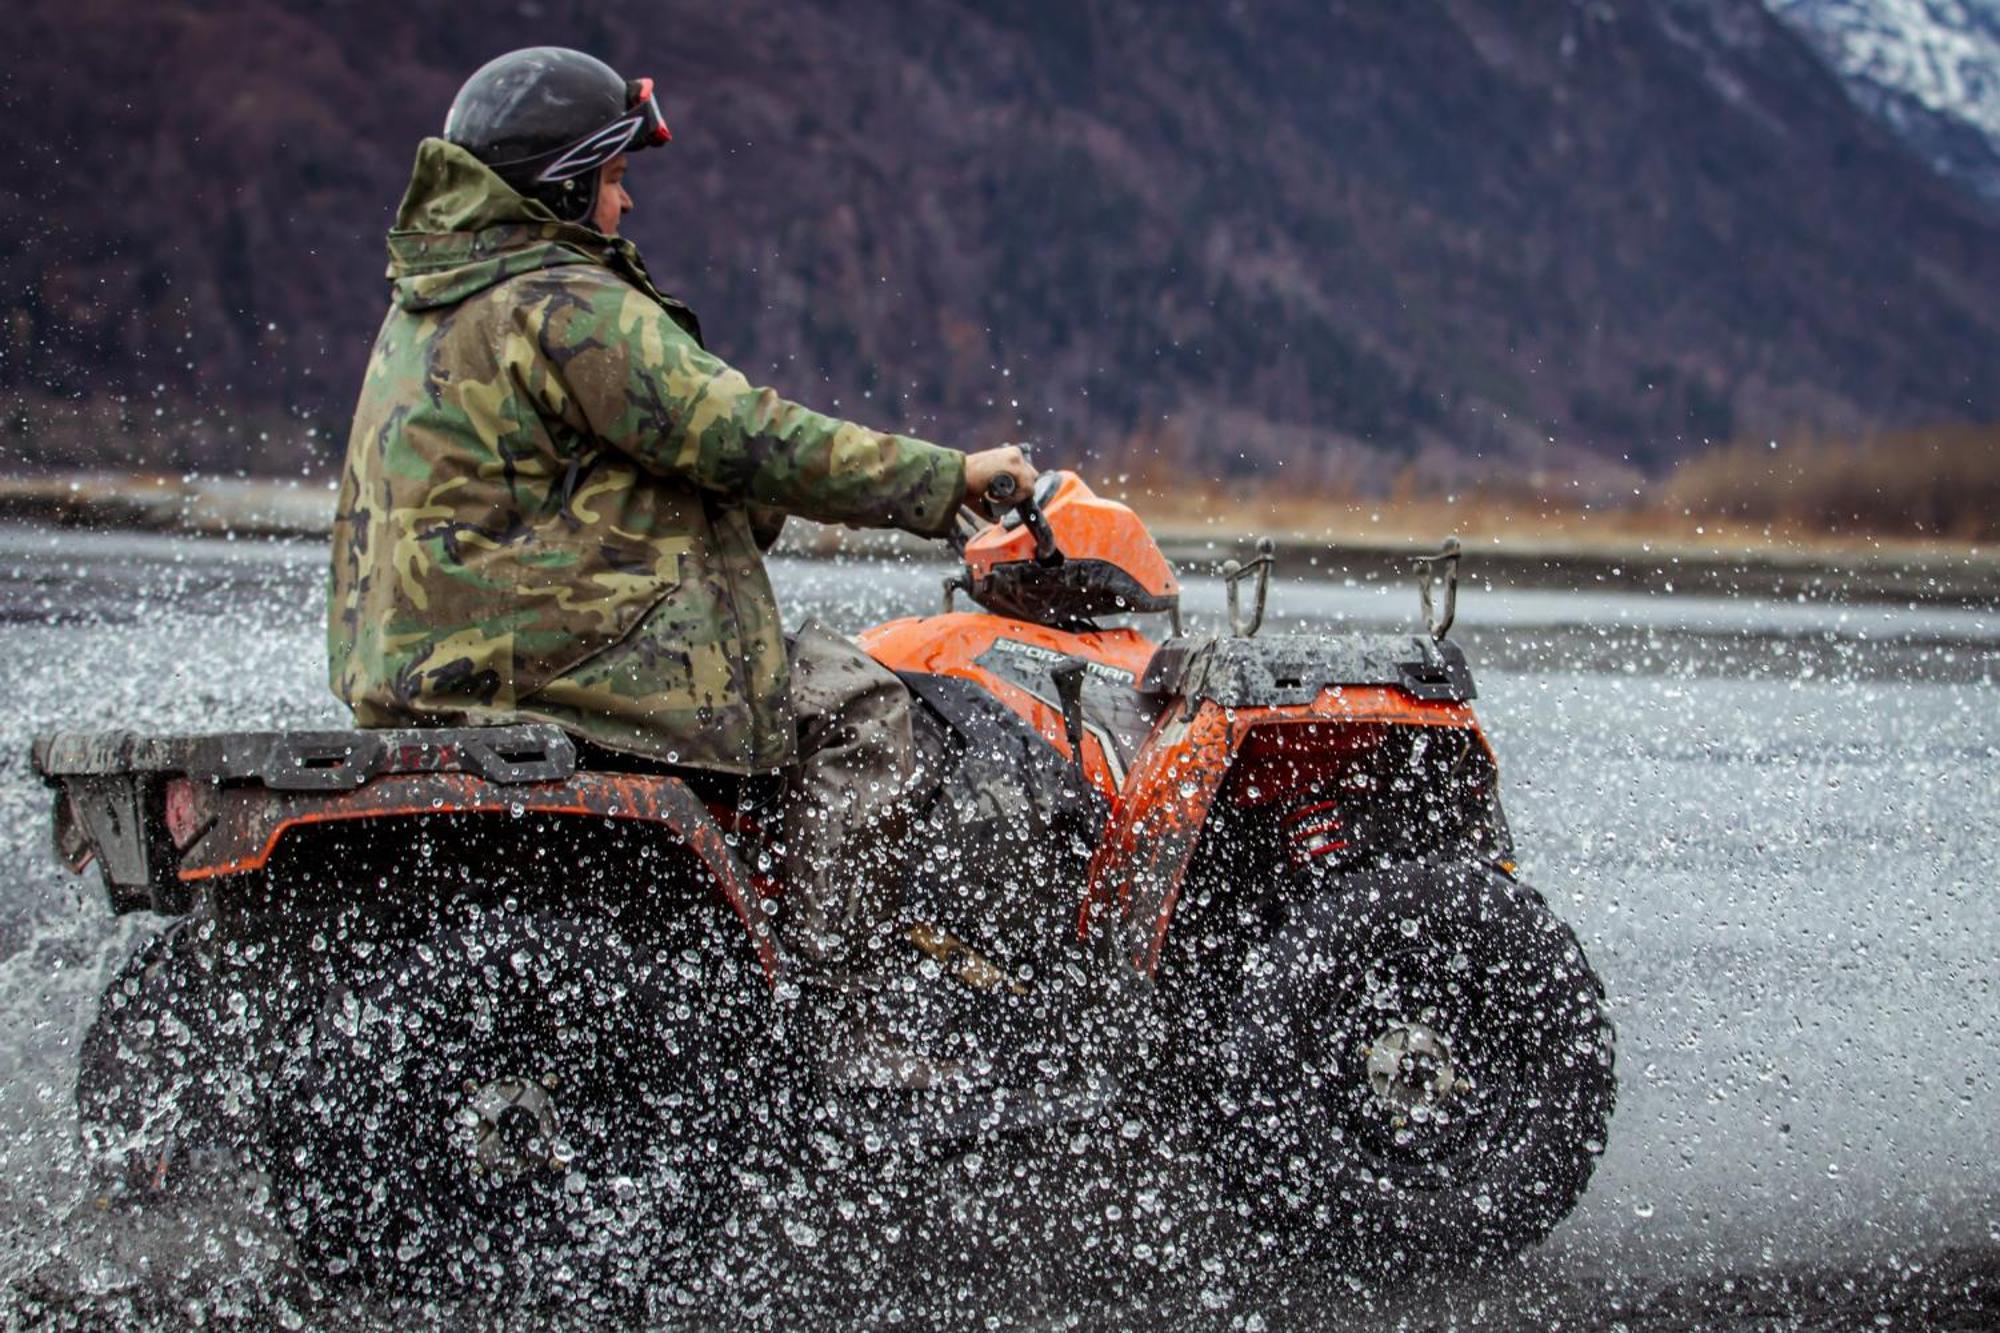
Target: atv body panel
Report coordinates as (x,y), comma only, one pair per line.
(1010,660)
(1280,717)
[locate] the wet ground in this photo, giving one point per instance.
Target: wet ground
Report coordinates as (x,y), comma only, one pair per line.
(1775,827)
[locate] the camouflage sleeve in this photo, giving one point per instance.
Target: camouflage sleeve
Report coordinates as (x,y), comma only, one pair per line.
(642,384)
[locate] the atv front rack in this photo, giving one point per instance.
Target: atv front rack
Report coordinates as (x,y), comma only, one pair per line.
(1292,669)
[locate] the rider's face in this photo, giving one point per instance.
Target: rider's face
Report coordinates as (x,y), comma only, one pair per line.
(612,201)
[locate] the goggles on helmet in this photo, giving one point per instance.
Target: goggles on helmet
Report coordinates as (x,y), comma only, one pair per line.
(653,129)
(643,126)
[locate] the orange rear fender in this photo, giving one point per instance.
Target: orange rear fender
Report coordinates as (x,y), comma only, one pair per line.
(235,829)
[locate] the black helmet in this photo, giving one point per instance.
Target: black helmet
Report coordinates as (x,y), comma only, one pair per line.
(546,118)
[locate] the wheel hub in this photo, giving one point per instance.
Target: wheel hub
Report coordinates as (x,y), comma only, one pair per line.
(510,1127)
(1411,1071)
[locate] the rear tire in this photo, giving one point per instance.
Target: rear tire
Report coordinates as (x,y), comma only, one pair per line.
(178,1072)
(521,1097)
(1421,1068)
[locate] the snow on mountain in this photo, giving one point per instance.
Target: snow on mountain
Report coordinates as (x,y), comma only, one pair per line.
(1930,68)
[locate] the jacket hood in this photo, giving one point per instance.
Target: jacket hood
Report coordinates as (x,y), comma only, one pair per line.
(460,229)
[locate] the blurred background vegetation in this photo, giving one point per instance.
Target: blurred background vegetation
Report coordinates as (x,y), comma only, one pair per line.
(1578,265)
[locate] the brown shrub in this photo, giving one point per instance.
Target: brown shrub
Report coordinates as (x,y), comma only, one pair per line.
(1939,482)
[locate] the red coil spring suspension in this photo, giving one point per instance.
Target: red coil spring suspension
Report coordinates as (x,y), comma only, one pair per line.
(1314,830)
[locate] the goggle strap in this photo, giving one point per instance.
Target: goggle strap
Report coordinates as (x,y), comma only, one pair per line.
(592,151)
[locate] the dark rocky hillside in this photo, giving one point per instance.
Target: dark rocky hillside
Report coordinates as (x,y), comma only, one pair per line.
(1230,235)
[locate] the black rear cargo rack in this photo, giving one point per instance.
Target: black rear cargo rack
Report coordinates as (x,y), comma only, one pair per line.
(111,786)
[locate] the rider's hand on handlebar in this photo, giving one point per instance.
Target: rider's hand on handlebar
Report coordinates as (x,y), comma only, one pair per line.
(1008,461)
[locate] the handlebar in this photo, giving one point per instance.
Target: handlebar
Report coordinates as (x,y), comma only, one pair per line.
(1006,492)
(1003,493)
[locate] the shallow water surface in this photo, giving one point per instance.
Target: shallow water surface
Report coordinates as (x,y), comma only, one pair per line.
(1776,829)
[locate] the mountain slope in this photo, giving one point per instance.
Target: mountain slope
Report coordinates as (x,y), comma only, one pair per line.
(1328,238)
(1929,68)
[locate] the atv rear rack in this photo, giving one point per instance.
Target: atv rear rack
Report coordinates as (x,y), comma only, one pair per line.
(113,798)
(315,760)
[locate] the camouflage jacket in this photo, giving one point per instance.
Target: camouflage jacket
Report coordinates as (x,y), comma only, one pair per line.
(555,500)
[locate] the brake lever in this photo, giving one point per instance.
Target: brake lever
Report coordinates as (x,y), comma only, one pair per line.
(1047,553)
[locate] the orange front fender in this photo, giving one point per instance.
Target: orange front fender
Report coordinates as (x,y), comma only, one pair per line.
(1136,874)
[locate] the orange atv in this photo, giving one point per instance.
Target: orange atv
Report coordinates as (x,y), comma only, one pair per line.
(462,993)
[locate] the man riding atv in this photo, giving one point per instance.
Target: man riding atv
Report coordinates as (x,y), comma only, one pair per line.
(491,995)
(556,499)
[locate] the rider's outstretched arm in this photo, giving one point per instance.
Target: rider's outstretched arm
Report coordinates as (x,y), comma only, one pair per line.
(638,381)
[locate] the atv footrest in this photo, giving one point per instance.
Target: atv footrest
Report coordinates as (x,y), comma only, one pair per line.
(929,1117)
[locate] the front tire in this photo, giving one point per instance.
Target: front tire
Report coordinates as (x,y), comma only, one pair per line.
(1421,1066)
